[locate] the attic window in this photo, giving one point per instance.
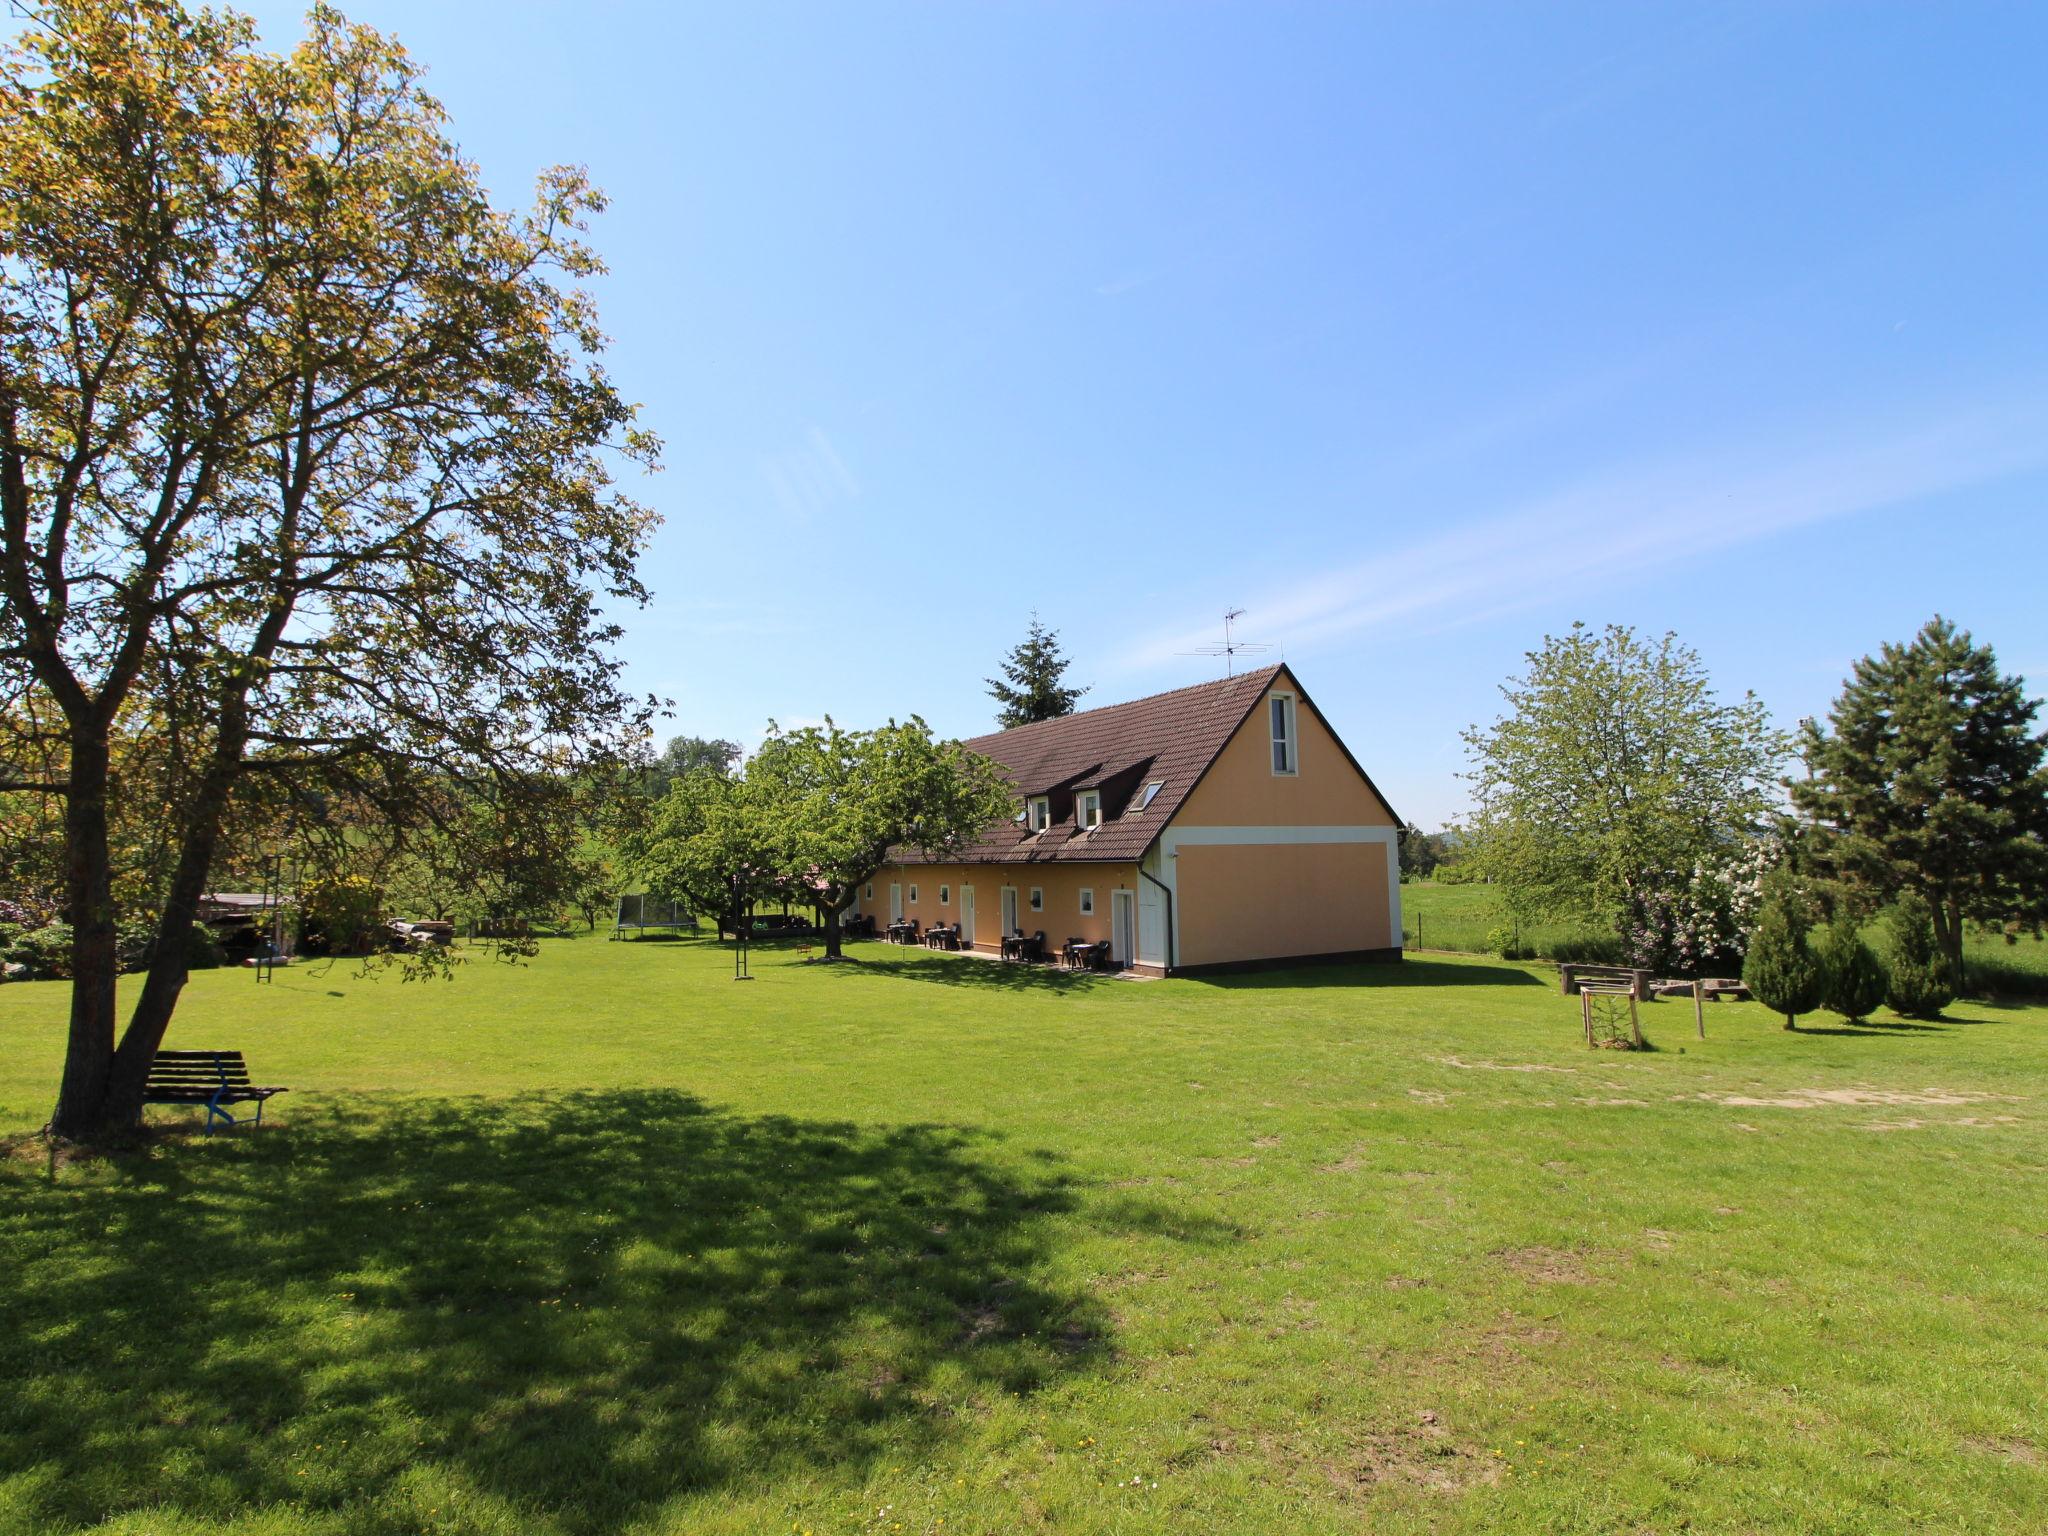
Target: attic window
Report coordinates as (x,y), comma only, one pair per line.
(1088,809)
(1145,795)
(1286,757)
(1039,812)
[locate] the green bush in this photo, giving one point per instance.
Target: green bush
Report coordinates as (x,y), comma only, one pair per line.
(45,951)
(202,949)
(1853,981)
(1781,968)
(1589,949)
(1919,974)
(132,944)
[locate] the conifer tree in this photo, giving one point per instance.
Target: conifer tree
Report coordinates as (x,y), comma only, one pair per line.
(1034,689)
(1853,978)
(1781,967)
(1929,777)
(1921,981)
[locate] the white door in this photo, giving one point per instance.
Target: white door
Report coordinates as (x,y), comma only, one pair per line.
(1123,930)
(966,914)
(895,903)
(1009,910)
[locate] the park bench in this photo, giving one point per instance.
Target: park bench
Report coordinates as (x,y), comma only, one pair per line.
(1572,977)
(210,1080)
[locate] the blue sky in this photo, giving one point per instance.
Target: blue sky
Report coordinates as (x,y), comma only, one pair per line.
(1416,332)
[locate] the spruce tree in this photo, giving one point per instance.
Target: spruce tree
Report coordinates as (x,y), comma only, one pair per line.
(1781,968)
(1921,981)
(1033,690)
(1853,978)
(1930,777)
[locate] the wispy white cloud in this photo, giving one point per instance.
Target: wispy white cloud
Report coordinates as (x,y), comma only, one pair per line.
(1630,522)
(809,478)
(1126,284)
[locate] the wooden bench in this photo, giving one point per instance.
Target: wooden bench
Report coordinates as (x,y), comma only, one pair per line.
(210,1080)
(1572,977)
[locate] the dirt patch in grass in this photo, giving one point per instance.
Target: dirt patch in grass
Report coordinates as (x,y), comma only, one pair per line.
(2009,1448)
(1814,1098)
(1504,1066)
(1921,1125)
(1546,1266)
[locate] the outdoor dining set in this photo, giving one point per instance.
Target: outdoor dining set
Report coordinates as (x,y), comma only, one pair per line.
(1075,954)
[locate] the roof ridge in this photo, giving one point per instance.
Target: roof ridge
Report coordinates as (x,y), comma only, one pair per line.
(1082,714)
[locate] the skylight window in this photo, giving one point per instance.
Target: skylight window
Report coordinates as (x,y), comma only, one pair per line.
(1145,795)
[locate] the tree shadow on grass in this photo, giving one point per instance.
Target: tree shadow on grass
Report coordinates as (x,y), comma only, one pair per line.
(1878,1029)
(551,1312)
(980,973)
(1406,973)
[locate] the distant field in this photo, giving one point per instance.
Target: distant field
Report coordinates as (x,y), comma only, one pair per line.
(1461,918)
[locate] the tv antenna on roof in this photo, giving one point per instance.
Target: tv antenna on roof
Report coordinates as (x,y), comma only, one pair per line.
(1232,647)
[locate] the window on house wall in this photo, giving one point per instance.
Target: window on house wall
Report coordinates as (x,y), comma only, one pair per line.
(1286,757)
(1088,809)
(1087,902)
(1040,812)
(1038,898)
(945,894)
(913,895)
(1145,796)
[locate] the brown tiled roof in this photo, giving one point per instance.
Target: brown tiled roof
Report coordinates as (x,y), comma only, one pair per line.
(1173,737)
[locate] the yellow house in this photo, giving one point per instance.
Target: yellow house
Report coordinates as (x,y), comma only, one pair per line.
(1218,827)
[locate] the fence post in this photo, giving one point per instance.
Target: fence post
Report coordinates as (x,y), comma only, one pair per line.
(1699,1006)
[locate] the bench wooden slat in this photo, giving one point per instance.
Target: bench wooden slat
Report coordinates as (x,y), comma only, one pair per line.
(205,1080)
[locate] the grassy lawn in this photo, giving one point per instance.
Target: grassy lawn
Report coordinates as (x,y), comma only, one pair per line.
(610,1243)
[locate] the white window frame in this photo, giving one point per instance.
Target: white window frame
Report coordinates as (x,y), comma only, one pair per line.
(1089,800)
(869,895)
(1283,730)
(1038,813)
(1146,796)
(945,895)
(913,896)
(1087,901)
(1038,898)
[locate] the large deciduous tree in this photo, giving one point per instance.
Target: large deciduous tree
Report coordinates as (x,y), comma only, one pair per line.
(304,451)
(1615,778)
(1033,686)
(1929,778)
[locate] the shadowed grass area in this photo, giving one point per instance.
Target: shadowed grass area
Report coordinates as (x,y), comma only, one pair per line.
(609,1243)
(570,1307)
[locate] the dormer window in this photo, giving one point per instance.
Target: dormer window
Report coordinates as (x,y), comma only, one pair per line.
(1088,809)
(1145,796)
(1286,750)
(1038,813)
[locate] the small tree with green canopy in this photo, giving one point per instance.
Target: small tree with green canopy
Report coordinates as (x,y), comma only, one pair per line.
(1920,979)
(710,842)
(1929,777)
(838,801)
(1615,774)
(1031,687)
(1853,978)
(1781,968)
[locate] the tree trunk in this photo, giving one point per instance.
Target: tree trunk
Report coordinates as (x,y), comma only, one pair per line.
(169,966)
(831,916)
(81,1112)
(1948,932)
